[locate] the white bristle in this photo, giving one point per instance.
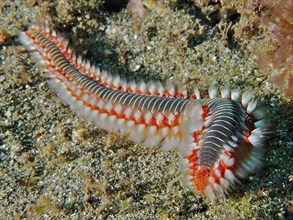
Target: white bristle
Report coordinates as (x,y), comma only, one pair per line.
(213,91)
(176,143)
(60,38)
(78,106)
(137,114)
(102,121)
(31,47)
(236,94)
(256,159)
(218,173)
(185,151)
(118,108)
(47,29)
(133,86)
(85,111)
(188,138)
(147,116)
(243,125)
(151,87)
(211,180)
(169,144)
(93,115)
(116,81)
(164,131)
(129,124)
(200,143)
(170,116)
(92,100)
(251,106)
(121,125)
(65,44)
(109,79)
(249,165)
(194,110)
(256,137)
(184,163)
(98,72)
(217,162)
(225,92)
(136,138)
(197,93)
(259,114)
(241,172)
(182,90)
(103,76)
(208,121)
(229,176)
(124,85)
(24,39)
(79,60)
(76,90)
(127,112)
(174,130)
(218,189)
(223,157)
(224,184)
(227,147)
(234,138)
(142,87)
(153,140)
(73,54)
(83,62)
(108,106)
(151,130)
(85,97)
(159,117)
(160,88)
(240,135)
(210,193)
(230,162)
(192,126)
(93,69)
(232,144)
(37,57)
(101,104)
(40,61)
(260,124)
(246,97)
(120,122)
(112,119)
(170,88)
(33,26)
(88,66)
(140,129)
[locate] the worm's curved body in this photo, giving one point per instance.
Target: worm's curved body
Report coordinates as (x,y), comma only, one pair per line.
(220,138)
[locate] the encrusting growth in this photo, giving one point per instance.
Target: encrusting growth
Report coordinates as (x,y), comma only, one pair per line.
(219,138)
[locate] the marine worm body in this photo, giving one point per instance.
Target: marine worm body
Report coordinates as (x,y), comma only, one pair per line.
(219,139)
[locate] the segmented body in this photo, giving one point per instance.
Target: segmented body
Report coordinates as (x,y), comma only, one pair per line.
(219,138)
